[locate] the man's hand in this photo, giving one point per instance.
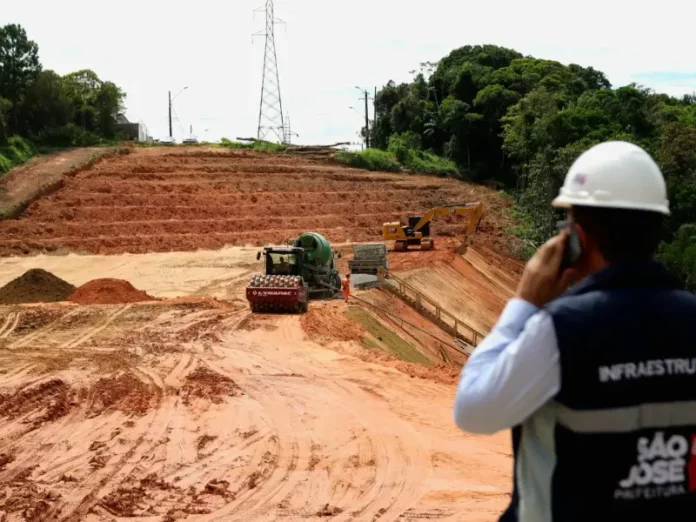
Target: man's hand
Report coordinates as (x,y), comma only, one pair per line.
(541,281)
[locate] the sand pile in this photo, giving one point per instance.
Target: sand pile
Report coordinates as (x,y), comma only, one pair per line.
(108,291)
(35,286)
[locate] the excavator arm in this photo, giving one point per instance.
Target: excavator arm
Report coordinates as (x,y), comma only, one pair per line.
(403,235)
(475,210)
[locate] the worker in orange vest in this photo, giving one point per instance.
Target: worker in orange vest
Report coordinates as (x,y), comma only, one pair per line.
(346,287)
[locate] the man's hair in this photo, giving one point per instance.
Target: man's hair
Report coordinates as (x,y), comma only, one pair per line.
(621,235)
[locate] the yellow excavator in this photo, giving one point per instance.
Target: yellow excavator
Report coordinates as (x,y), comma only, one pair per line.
(417,232)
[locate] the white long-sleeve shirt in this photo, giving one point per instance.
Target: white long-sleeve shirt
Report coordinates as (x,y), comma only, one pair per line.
(512,373)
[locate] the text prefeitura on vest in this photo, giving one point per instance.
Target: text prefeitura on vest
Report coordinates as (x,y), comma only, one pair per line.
(650,368)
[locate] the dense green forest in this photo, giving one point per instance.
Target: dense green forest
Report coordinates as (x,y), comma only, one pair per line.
(45,108)
(518,122)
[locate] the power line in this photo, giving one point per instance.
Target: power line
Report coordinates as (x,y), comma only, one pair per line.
(178,121)
(271,106)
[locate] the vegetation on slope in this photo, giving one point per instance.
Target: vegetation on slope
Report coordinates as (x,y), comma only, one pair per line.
(15,152)
(388,339)
(77,109)
(519,122)
(258,145)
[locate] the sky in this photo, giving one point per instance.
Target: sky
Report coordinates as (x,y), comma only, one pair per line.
(326,48)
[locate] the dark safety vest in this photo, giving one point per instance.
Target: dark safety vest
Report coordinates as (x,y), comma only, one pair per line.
(618,441)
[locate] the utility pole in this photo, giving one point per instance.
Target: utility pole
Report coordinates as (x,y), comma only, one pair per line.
(374,109)
(367,117)
(171,135)
(367,124)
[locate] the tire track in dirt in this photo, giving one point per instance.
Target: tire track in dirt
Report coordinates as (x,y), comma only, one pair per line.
(155,427)
(400,470)
(14,375)
(75,435)
(271,474)
(6,329)
(39,443)
(185,365)
(273,468)
(110,318)
(398,480)
(32,337)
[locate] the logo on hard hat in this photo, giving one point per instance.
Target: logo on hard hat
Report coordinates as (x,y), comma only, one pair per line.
(580,179)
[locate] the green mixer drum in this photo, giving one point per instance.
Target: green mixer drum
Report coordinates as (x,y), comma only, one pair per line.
(317,248)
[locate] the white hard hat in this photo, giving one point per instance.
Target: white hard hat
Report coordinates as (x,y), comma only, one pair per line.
(615,174)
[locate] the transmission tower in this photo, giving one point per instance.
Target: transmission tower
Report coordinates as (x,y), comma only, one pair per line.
(271,107)
(288,131)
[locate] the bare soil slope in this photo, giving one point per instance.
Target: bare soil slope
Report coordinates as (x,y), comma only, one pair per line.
(22,182)
(160,200)
(166,411)
(473,287)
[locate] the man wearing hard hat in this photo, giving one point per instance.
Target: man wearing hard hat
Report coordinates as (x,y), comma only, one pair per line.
(597,382)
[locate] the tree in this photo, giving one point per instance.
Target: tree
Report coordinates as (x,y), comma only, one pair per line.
(522,121)
(19,65)
(108,104)
(5,107)
(680,255)
(82,87)
(73,110)
(45,104)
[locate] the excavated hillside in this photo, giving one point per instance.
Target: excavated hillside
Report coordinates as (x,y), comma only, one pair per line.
(159,200)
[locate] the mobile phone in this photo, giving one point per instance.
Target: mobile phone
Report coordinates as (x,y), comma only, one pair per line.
(573,246)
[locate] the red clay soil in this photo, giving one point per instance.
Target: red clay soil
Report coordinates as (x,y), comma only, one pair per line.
(108,291)
(204,383)
(330,323)
(160,201)
(125,392)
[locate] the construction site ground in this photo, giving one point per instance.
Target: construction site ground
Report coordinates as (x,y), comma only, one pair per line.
(186,406)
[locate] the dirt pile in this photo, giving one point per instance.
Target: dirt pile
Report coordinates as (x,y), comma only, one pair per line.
(53,399)
(125,393)
(35,286)
(108,291)
(204,383)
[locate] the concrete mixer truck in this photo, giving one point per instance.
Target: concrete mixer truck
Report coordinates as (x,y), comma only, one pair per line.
(303,270)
